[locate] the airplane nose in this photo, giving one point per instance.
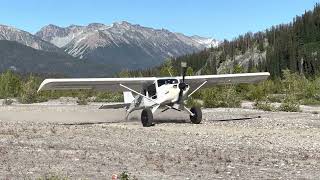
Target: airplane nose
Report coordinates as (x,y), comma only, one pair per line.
(183,86)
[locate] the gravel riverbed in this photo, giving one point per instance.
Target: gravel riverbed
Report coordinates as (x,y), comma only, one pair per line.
(82,142)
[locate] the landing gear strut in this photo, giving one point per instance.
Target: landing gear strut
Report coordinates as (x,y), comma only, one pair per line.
(197,115)
(147,118)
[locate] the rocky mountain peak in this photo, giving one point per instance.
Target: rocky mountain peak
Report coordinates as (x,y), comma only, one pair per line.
(121,45)
(13,34)
(84,41)
(50,31)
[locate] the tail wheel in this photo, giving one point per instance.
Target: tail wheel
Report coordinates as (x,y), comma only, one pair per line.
(197,117)
(146,117)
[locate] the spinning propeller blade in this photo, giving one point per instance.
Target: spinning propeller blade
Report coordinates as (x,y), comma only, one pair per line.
(182,85)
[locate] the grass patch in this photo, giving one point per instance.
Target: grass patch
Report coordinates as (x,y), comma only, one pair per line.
(108,97)
(52,177)
(310,101)
(290,104)
(28,93)
(276,97)
(126,176)
(221,97)
(265,106)
(191,102)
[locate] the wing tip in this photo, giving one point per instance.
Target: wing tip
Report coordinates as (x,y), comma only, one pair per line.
(42,85)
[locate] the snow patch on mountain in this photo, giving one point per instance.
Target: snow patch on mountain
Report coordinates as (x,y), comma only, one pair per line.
(207,42)
(78,41)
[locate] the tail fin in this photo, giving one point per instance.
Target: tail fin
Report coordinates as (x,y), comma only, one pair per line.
(128,96)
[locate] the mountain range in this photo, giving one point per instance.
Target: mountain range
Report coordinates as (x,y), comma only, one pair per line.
(112,48)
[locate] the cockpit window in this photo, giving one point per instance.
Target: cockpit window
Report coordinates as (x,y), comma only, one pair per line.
(167,81)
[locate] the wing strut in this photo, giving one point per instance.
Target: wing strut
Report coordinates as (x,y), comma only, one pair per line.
(197,88)
(139,93)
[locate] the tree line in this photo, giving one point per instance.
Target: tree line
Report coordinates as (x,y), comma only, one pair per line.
(294,46)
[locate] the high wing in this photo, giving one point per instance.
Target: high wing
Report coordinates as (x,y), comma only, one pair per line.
(228,78)
(221,79)
(110,84)
(113,84)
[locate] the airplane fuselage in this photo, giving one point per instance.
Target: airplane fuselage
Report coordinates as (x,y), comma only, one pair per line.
(162,92)
(170,92)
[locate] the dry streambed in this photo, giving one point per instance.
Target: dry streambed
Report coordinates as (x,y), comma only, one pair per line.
(83,142)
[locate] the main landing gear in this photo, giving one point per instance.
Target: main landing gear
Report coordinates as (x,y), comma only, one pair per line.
(147,116)
(197,115)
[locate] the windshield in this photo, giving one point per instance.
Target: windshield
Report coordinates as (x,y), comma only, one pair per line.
(167,81)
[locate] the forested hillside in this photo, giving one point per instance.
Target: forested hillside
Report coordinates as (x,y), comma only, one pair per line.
(294,46)
(23,60)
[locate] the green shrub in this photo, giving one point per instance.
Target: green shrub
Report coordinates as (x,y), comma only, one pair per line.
(255,93)
(42,98)
(290,104)
(28,92)
(311,92)
(289,107)
(258,92)
(293,82)
(10,85)
(191,102)
(276,97)
(126,176)
(265,105)
(209,97)
(221,97)
(310,101)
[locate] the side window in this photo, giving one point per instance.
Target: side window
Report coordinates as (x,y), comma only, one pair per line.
(152,91)
(161,82)
(167,81)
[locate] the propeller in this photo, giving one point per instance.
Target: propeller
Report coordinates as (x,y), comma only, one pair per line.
(182,85)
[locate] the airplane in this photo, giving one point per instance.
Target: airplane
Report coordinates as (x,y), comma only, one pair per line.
(150,93)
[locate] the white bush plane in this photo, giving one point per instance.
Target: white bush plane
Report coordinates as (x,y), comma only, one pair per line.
(150,93)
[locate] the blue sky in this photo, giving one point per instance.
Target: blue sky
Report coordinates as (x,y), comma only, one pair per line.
(211,18)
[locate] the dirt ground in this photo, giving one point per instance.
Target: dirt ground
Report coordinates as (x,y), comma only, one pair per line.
(82,142)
